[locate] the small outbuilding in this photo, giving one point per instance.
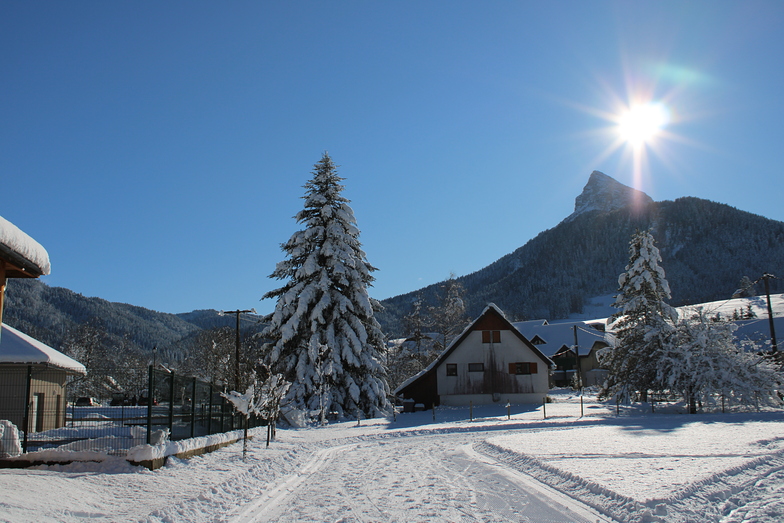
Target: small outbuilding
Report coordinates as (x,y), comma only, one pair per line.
(33,379)
(491,361)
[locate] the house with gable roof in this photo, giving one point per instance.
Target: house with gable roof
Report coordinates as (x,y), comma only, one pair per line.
(490,361)
(567,343)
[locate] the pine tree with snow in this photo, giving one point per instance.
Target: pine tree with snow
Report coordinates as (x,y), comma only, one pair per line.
(643,323)
(323,326)
(703,359)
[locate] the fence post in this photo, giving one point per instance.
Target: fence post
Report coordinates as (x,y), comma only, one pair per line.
(193,408)
(150,396)
(471,410)
(544,407)
(222,410)
(582,409)
(27,403)
(209,415)
(171,404)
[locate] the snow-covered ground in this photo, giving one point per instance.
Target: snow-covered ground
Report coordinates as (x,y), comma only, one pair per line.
(633,467)
(600,307)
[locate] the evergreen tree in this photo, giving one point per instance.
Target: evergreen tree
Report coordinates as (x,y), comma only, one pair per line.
(642,324)
(746,288)
(323,330)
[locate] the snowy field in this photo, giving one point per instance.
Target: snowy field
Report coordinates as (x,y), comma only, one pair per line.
(637,467)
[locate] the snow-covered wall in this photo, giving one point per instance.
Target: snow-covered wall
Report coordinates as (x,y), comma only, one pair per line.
(495,377)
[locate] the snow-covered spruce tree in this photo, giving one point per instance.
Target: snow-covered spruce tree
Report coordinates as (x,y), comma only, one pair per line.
(703,359)
(643,323)
(323,323)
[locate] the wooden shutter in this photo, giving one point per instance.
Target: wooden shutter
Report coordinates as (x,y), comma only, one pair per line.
(512,368)
(532,367)
(485,336)
(496,336)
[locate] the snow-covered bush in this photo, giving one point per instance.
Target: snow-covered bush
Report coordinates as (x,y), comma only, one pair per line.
(702,358)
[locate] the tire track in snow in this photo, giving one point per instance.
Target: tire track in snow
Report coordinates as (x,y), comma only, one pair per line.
(418,478)
(270,501)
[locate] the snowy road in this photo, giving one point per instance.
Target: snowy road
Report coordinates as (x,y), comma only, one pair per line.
(706,469)
(421,478)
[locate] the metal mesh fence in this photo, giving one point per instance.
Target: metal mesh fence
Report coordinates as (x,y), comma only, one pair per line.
(36,401)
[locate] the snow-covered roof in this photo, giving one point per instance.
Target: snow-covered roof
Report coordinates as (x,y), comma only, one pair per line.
(558,335)
(18,347)
(22,251)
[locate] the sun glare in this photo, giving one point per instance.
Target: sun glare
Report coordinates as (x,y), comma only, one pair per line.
(640,124)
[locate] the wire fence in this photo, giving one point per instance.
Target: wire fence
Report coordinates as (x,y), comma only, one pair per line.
(36,401)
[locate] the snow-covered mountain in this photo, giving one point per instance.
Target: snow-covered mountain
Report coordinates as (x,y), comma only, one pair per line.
(707,247)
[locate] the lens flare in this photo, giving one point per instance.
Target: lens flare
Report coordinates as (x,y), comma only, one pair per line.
(640,124)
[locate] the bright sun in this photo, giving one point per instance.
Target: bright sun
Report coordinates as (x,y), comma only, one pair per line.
(639,124)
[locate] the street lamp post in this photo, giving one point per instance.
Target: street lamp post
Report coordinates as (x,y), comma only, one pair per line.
(237,345)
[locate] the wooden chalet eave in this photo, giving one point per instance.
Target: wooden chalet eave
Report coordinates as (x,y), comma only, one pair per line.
(13,266)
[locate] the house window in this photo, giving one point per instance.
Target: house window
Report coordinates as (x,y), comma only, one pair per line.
(476,367)
(451,369)
(536,340)
(491,336)
(523,367)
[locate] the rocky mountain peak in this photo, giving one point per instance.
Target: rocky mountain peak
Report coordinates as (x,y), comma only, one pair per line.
(605,194)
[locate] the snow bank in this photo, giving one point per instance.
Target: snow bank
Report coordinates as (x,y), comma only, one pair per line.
(9,440)
(142,453)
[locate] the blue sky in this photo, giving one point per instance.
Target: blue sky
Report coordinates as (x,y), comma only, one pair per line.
(158,150)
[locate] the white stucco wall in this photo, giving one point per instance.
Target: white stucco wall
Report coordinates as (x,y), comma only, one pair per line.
(495,383)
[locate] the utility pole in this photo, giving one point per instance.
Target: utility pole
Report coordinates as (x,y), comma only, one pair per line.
(766,277)
(237,346)
(577,361)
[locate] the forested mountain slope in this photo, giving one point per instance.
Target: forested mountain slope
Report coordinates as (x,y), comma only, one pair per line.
(48,313)
(706,247)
